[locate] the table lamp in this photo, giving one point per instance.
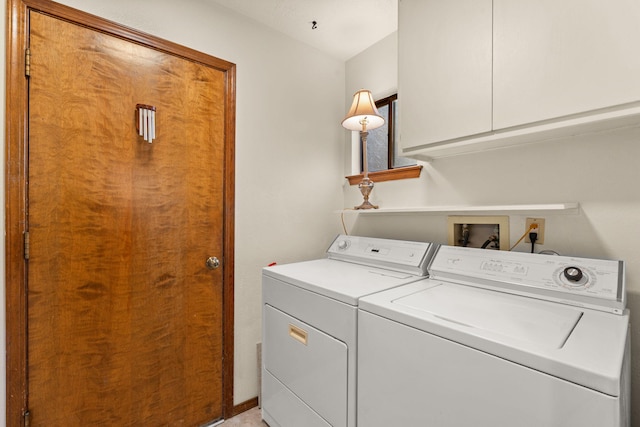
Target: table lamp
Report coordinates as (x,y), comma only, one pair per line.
(362,116)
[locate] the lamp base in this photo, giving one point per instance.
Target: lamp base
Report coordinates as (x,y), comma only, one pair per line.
(365,188)
(366,205)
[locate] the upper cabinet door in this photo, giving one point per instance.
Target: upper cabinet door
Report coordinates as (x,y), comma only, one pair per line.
(558,58)
(444,71)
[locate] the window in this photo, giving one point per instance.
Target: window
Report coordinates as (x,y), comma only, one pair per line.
(383,154)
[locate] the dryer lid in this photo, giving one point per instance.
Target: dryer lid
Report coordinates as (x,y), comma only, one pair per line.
(343,281)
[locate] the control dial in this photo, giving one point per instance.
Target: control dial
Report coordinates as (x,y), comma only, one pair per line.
(343,244)
(573,274)
(575,278)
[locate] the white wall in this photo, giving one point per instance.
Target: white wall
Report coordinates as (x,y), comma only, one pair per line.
(599,171)
(375,69)
(289,145)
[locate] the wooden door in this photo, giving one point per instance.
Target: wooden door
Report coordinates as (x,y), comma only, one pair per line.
(125,322)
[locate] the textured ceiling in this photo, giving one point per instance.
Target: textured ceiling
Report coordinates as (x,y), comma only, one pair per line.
(344,27)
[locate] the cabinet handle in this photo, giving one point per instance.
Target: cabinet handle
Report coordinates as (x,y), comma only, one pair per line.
(298,334)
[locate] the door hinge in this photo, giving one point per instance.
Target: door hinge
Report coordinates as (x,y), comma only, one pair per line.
(27,419)
(27,62)
(26,244)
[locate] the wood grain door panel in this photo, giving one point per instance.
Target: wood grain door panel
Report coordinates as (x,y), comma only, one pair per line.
(125,322)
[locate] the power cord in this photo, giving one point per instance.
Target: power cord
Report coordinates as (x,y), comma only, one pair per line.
(344,227)
(533,226)
(533,236)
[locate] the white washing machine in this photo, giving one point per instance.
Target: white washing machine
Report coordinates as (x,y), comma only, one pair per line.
(497,339)
(309,326)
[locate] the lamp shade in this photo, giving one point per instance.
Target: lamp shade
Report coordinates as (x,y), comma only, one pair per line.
(363,112)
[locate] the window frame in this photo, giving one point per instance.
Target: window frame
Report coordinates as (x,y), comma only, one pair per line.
(391,173)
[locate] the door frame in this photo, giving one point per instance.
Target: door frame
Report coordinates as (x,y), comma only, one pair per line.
(16,173)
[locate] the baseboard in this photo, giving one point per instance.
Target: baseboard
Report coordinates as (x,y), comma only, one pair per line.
(244,406)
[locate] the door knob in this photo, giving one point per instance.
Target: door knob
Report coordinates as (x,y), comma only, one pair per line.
(212,263)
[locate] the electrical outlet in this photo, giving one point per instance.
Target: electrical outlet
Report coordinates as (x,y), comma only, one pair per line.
(540,229)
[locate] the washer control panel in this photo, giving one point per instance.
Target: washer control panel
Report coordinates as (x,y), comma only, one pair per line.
(401,255)
(578,281)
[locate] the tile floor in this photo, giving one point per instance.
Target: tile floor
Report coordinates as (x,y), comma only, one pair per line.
(250,418)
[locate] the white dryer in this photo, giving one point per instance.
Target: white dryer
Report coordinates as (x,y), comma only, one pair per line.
(309,327)
(497,339)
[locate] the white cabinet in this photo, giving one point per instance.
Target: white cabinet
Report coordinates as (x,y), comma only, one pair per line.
(444,73)
(490,73)
(557,58)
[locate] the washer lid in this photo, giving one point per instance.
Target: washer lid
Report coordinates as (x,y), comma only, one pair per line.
(587,349)
(522,319)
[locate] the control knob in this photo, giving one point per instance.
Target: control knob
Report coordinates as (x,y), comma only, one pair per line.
(573,274)
(343,244)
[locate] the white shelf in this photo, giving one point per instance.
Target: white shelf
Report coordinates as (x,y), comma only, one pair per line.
(436,210)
